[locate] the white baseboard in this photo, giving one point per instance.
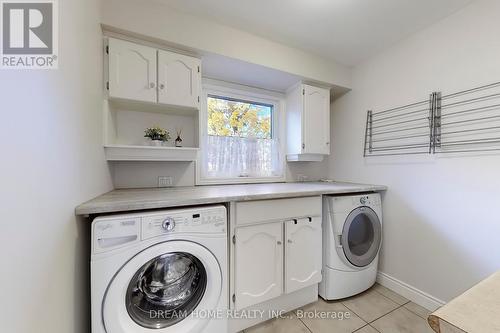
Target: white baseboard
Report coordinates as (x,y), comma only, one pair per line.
(415,295)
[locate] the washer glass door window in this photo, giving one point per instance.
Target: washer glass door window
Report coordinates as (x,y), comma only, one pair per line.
(166,290)
(163,289)
(361,236)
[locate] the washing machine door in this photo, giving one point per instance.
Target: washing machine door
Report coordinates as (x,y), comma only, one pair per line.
(169,287)
(361,236)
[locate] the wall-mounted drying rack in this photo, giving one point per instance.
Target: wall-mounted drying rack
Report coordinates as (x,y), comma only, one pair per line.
(466,121)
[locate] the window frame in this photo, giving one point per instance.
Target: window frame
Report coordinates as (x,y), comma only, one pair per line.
(248,94)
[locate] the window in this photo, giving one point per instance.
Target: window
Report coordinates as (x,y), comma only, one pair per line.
(236,118)
(240,137)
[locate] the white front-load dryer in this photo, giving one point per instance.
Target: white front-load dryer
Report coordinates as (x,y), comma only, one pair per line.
(352,236)
(160,272)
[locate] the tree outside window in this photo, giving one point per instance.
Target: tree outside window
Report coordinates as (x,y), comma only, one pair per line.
(238,118)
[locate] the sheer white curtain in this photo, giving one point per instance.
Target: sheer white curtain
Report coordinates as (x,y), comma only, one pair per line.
(234,157)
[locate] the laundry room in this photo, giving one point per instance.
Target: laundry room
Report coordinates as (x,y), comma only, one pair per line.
(196,166)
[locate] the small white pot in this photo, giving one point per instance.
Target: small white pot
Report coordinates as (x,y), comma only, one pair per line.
(156,143)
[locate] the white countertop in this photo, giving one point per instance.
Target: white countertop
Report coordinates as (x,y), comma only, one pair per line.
(154,198)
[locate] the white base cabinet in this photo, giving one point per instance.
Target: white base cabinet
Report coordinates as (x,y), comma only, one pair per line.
(274,256)
(303,253)
(259,264)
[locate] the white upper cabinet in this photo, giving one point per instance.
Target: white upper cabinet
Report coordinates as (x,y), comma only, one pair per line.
(316,120)
(259,264)
(179,79)
(142,73)
(308,123)
(132,71)
(302,253)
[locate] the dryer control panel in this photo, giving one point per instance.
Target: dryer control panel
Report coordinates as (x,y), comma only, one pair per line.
(341,204)
(366,200)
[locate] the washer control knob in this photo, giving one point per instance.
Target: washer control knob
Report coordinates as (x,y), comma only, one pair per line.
(362,200)
(168,224)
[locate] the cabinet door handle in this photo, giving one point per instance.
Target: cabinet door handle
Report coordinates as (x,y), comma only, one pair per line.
(162,86)
(290,241)
(152,85)
(279,242)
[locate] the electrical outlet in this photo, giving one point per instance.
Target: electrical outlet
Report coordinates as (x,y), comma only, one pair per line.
(165,181)
(302,178)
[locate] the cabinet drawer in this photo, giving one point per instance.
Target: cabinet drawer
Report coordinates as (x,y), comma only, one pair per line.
(277,209)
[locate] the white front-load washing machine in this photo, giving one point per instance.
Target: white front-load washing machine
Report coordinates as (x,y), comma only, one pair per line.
(352,235)
(160,272)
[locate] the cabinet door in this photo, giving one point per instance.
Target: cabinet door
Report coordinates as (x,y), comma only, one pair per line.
(132,71)
(258,264)
(303,253)
(179,79)
(316,120)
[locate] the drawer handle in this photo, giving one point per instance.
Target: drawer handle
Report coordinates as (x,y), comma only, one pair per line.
(115,241)
(295,221)
(310,219)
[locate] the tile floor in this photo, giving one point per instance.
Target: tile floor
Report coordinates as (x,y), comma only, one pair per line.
(376,310)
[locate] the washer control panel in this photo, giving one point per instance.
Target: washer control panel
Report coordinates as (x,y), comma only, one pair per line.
(201,220)
(116,231)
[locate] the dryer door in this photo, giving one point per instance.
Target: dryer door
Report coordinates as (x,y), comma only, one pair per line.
(361,236)
(165,288)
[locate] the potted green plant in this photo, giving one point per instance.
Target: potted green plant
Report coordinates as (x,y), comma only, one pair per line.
(157,135)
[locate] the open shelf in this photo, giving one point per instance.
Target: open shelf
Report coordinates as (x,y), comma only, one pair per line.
(150,153)
(124,124)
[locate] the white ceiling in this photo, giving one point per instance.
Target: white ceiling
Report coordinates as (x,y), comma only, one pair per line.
(347,31)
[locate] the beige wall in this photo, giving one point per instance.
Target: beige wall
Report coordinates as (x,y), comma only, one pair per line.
(145,174)
(52,160)
(156,20)
(441,231)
